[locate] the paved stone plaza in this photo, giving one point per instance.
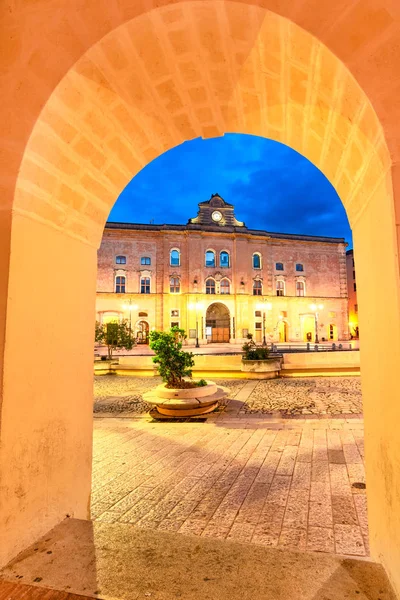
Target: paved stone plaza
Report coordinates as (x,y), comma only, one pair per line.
(261,470)
(319,396)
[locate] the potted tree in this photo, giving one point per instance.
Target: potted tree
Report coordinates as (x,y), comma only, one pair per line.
(114,335)
(179,395)
(258,362)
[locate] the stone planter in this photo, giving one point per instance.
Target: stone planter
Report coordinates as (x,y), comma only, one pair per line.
(185,402)
(268,368)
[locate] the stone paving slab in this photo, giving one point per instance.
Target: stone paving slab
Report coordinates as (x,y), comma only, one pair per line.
(122,562)
(286,484)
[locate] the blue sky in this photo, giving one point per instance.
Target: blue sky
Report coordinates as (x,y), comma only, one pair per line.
(272,187)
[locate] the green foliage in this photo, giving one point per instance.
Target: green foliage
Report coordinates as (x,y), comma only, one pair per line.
(173,363)
(254,352)
(114,335)
(201,383)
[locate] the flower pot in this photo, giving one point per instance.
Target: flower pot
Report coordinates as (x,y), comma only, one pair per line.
(267,368)
(186,402)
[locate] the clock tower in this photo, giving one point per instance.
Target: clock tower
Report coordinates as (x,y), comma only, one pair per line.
(216,212)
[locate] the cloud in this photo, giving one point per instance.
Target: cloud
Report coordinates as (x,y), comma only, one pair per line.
(272,187)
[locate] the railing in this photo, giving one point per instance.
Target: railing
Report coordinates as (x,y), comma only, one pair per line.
(311,347)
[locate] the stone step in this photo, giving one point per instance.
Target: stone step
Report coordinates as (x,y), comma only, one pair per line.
(123,562)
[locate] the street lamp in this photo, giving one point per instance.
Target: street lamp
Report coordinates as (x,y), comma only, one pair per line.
(196,306)
(315,308)
(264,306)
(130,306)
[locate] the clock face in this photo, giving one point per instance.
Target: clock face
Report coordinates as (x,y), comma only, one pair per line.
(216,216)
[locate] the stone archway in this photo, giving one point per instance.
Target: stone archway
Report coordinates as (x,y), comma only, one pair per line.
(218,323)
(91,94)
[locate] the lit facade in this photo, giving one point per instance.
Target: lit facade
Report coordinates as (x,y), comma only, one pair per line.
(220,280)
(352,294)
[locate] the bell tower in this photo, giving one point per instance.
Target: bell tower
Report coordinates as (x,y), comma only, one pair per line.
(216,212)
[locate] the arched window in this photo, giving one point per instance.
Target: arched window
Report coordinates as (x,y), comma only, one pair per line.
(145,260)
(224,286)
(210,286)
(224,259)
(299,267)
(120,260)
(279,266)
(174,285)
(210,258)
(120,282)
(280,288)
(256,260)
(145,285)
(175,258)
(257,287)
(142,314)
(300,288)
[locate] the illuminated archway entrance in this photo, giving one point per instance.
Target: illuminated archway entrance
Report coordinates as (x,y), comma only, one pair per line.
(142,332)
(283,330)
(218,323)
(93,93)
(308,328)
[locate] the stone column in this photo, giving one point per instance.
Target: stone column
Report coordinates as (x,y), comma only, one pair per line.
(47,310)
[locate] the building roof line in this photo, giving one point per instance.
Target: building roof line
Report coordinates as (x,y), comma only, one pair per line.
(218,229)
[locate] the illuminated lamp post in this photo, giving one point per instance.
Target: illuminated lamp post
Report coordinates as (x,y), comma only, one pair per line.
(264,306)
(130,306)
(196,306)
(315,308)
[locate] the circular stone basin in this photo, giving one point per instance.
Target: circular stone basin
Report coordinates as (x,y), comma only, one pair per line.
(186,402)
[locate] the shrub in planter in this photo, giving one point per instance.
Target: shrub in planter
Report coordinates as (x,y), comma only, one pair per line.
(254,352)
(115,336)
(173,363)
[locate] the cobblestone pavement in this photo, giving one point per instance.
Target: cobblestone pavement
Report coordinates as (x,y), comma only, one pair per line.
(289,397)
(295,483)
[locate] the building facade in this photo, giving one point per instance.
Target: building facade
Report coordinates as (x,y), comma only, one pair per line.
(352,294)
(220,280)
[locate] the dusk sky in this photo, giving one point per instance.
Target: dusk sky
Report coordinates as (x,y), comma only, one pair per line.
(271,186)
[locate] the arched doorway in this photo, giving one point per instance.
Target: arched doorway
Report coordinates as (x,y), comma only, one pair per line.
(102,105)
(217,323)
(332,332)
(142,332)
(308,328)
(283,331)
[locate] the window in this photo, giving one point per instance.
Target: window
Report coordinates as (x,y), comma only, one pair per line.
(224,259)
(279,266)
(256,261)
(355,287)
(210,258)
(224,286)
(145,260)
(299,288)
(257,313)
(258,325)
(331,332)
(356,308)
(332,315)
(175,258)
(174,323)
(174,285)
(210,286)
(280,288)
(143,314)
(120,282)
(175,312)
(354,274)
(299,267)
(120,260)
(145,285)
(257,288)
